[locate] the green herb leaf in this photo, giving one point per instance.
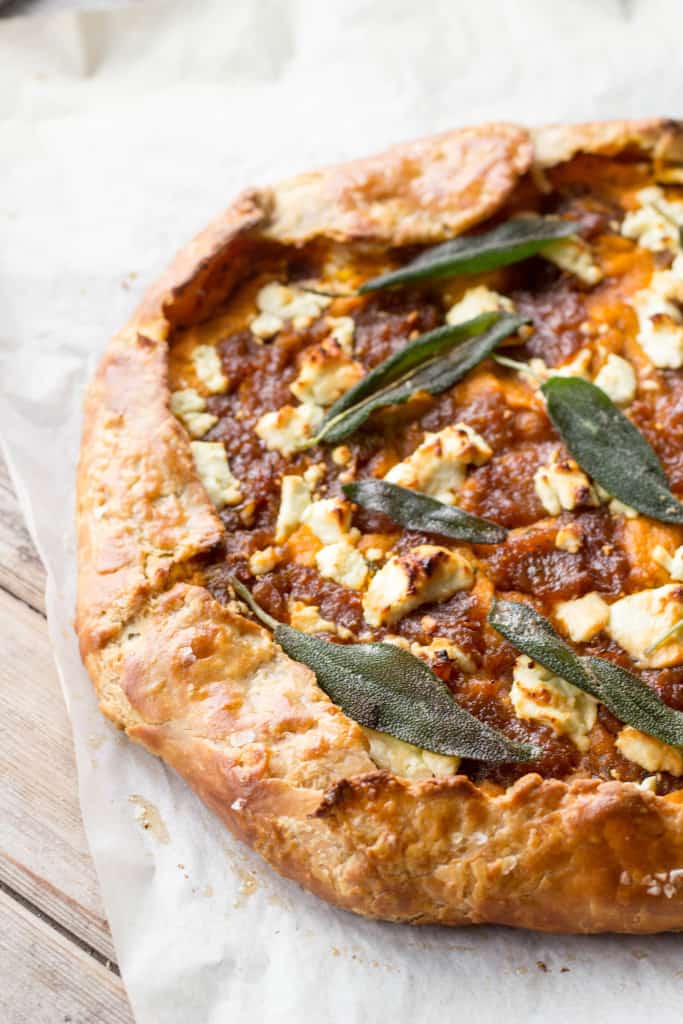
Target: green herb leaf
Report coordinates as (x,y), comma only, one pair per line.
(632,701)
(515,240)
(536,637)
(431,363)
(606,444)
(413,355)
(626,696)
(387,689)
(420,512)
(515,364)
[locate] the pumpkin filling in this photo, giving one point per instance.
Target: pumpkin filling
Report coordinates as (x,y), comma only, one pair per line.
(254,387)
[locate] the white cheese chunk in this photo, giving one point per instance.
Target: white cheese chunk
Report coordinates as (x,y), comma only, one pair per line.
(540,696)
(342,455)
(278,303)
(326,372)
(617,379)
(406,760)
(315,473)
(619,508)
(440,649)
(208,368)
(673,564)
(211,463)
(342,329)
(569,538)
(329,519)
(574,255)
(295,496)
(343,563)
(660,333)
(649,753)
(669,283)
(476,301)
(424,574)
(307,619)
(263,561)
(562,485)
(582,618)
(577,366)
(285,429)
(437,467)
(654,225)
(190,408)
(638,621)
(266,325)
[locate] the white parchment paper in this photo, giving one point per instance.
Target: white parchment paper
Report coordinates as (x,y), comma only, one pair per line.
(122,133)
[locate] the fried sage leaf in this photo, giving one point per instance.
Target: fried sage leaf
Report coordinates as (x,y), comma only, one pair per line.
(606,444)
(515,240)
(624,694)
(420,512)
(388,689)
(431,363)
(413,355)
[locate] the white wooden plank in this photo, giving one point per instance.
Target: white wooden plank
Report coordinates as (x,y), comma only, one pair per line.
(45,978)
(21,571)
(44,852)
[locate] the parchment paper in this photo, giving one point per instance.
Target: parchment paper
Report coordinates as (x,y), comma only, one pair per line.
(122,133)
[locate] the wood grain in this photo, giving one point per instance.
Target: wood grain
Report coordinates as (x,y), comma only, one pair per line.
(21,571)
(45,854)
(46,978)
(56,954)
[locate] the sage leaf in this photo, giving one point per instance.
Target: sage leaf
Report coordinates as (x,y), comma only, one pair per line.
(416,353)
(431,363)
(622,692)
(610,448)
(632,701)
(536,637)
(515,240)
(388,689)
(420,512)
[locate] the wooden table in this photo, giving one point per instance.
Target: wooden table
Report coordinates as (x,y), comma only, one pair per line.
(57,962)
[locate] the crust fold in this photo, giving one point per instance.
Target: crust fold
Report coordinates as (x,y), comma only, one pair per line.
(659,138)
(422,191)
(264,747)
(141,508)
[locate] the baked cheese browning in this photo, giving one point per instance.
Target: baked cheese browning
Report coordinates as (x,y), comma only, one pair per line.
(606,308)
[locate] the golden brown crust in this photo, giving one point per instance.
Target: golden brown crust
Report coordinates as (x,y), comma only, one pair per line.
(248,728)
(252,733)
(420,191)
(659,138)
(141,509)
